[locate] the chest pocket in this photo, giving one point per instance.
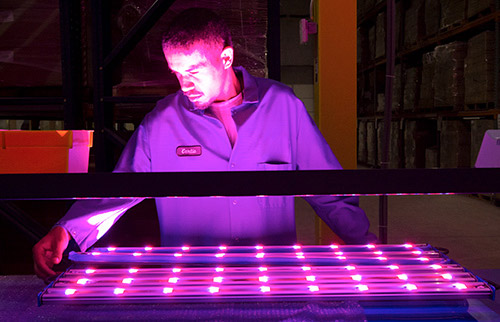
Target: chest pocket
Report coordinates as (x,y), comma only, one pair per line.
(273,201)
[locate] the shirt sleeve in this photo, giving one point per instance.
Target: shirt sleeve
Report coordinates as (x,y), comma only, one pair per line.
(88,220)
(342,214)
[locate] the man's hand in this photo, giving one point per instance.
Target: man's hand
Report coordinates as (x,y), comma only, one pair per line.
(49,251)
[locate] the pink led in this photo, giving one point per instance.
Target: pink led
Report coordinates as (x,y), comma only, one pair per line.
(167,290)
(341,257)
(178,255)
(260,255)
(137,254)
(222,247)
(176,270)
(447,276)
(339,253)
(299,254)
(334,246)
(69,291)
(148,248)
(111,249)
(382,258)
(264,279)
(362,287)
(370,246)
(311,278)
(185,248)
(219,269)
(350,268)
(213,289)
(410,287)
(82,281)
(127,280)
(173,280)
(408,245)
(263,269)
(220,255)
(436,266)
(357,277)
(133,270)
(403,277)
(313,288)
(378,252)
(296,246)
(306,268)
(118,290)
(89,271)
(218,279)
(265,289)
(96,253)
(460,286)
(423,259)
(259,247)
(393,266)
(417,252)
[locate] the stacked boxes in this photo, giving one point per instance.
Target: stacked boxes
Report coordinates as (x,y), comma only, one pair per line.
(452,13)
(449,85)
(426,99)
(413,23)
(455,145)
(475,7)
(371,143)
(411,88)
(395,143)
(380,36)
(479,69)
(362,151)
(432,17)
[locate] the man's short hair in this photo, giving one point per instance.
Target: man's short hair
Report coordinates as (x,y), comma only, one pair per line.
(195,25)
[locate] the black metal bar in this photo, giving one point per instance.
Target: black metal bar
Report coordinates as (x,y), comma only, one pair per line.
(250,183)
(273,40)
(103,112)
(71,63)
(30,101)
(140,29)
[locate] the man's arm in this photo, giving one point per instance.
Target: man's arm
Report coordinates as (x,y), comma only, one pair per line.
(49,251)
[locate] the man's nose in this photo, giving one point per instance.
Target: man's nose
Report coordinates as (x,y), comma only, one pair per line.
(186,84)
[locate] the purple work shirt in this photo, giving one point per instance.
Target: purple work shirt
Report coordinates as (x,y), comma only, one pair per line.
(275,132)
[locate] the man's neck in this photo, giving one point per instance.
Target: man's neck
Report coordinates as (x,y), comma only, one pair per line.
(232,88)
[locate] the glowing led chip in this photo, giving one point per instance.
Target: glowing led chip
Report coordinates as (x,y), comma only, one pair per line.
(69,291)
(264,279)
(133,270)
(410,287)
(220,255)
(299,254)
(407,245)
(263,269)
(382,258)
(111,249)
(185,248)
(260,255)
(82,281)
(311,278)
(339,253)
(423,259)
(176,270)
(370,246)
(334,246)
(313,288)
(118,290)
(296,247)
(350,267)
(460,286)
(306,268)
(167,290)
(259,247)
(362,287)
(219,269)
(417,252)
(127,280)
(218,279)
(178,255)
(89,271)
(403,277)
(341,257)
(447,276)
(148,248)
(393,267)
(173,280)
(265,289)
(222,247)
(357,277)
(213,289)
(137,254)
(96,253)
(436,266)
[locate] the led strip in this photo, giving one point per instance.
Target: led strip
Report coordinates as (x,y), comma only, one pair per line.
(168,274)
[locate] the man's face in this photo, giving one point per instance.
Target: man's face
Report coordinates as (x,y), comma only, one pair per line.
(200,71)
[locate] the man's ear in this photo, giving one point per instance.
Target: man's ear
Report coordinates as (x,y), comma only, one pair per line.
(227,57)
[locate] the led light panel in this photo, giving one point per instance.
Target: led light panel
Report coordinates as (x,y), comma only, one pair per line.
(200,274)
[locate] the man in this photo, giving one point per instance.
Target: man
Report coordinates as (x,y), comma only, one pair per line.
(222,119)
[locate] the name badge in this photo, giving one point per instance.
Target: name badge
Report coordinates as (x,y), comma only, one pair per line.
(189,151)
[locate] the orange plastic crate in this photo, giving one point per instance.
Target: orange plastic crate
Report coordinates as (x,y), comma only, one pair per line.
(44,151)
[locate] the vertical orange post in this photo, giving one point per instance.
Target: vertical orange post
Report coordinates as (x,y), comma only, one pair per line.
(335,84)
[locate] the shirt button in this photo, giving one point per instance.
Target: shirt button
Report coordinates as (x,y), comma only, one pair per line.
(235,202)
(232,165)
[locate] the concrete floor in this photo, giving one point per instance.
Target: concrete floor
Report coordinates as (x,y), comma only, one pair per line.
(467,226)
